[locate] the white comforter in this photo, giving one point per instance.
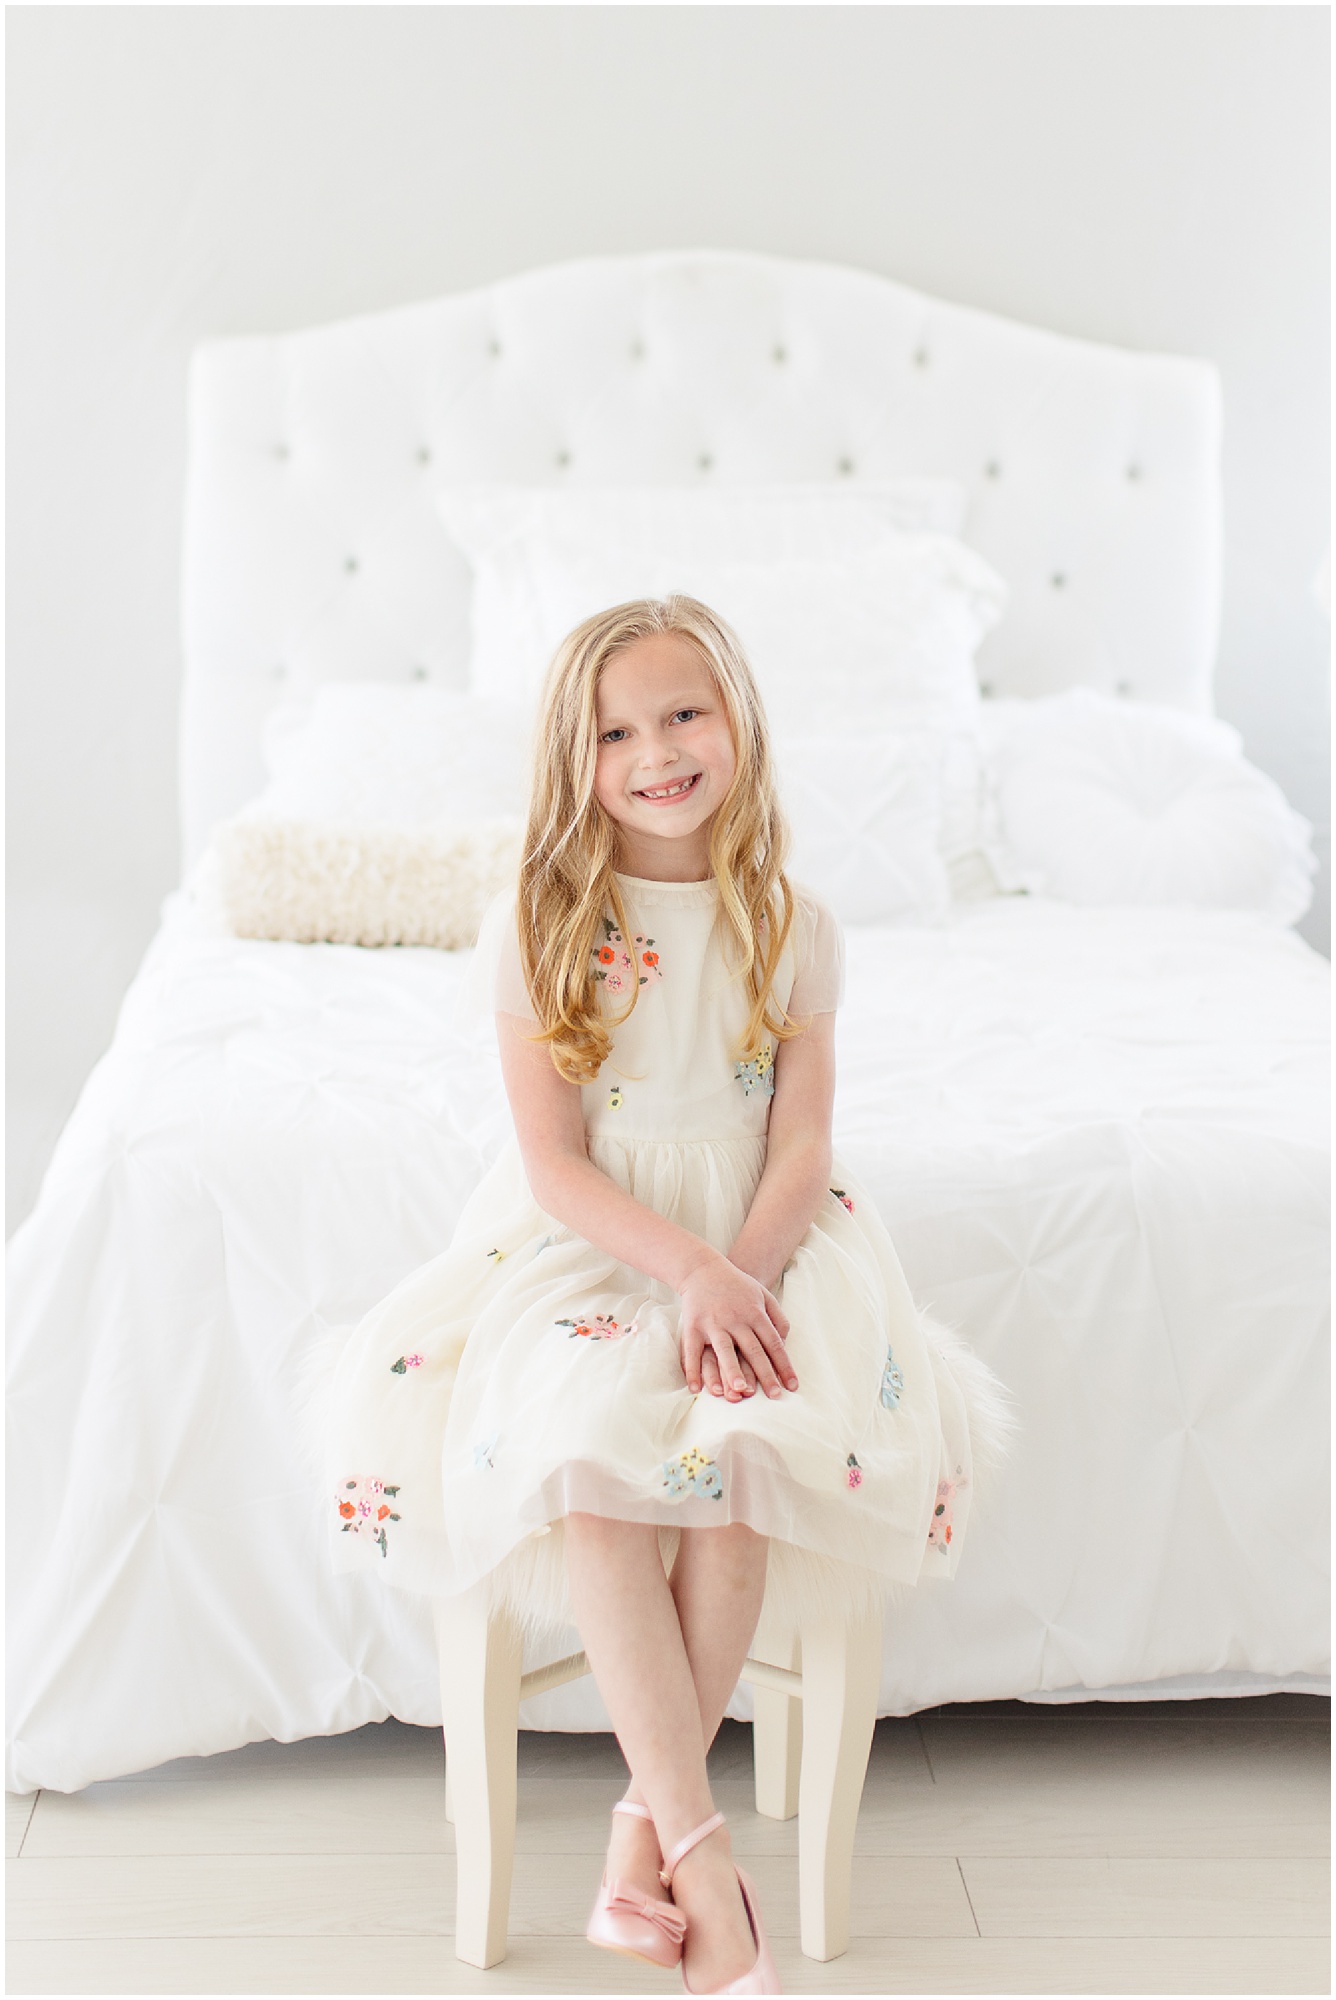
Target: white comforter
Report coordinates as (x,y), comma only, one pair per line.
(1098,1138)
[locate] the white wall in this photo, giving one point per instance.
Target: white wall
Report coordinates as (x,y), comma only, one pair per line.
(1150,176)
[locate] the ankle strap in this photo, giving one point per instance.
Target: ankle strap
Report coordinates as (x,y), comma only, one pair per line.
(684,1847)
(630,1806)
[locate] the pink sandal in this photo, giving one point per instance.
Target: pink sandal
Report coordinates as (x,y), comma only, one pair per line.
(763,1978)
(627,1921)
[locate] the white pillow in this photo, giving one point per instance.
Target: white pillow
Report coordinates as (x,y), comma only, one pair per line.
(498,529)
(398,755)
(866,816)
(849,622)
(1118,802)
(828,598)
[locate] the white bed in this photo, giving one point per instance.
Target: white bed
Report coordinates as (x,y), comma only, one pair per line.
(1097,1136)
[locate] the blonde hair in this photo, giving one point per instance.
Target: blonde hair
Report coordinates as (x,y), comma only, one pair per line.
(566,879)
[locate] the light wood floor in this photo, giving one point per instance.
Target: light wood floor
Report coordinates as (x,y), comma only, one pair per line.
(1168,1847)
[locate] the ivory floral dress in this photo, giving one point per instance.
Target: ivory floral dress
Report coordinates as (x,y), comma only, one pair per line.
(524,1373)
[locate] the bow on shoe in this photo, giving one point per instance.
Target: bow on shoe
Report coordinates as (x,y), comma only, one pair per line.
(633,1903)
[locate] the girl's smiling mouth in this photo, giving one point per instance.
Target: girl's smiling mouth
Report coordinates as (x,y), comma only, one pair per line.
(669,794)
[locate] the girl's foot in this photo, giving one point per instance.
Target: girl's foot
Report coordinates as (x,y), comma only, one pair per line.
(719,1945)
(625,1918)
(634,1858)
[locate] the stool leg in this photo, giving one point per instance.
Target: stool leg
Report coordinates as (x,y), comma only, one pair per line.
(841,1681)
(480,1698)
(777,1732)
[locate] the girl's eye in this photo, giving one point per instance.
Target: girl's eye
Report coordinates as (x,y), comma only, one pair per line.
(611,735)
(686,715)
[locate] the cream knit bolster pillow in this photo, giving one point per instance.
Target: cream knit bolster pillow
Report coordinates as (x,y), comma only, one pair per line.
(327,882)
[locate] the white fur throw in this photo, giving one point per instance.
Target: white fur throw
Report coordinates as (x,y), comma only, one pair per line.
(326,882)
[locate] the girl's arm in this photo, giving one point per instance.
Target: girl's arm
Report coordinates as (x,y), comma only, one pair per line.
(796,1176)
(723,1307)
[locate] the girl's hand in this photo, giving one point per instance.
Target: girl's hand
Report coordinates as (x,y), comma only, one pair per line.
(741,1326)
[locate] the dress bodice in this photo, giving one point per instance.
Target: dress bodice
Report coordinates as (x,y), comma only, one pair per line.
(675,1072)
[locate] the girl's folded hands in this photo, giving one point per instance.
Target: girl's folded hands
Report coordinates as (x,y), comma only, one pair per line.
(732,1333)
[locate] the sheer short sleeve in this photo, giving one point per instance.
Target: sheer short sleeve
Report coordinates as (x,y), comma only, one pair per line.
(818,956)
(494,982)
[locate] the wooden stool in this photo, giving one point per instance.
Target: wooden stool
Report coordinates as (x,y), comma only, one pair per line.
(816,1702)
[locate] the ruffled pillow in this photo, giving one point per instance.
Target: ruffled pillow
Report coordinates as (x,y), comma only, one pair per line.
(1112,802)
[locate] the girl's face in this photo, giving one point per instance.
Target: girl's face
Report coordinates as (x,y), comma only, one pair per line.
(665,756)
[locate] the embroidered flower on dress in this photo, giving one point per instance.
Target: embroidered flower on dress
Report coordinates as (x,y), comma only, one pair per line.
(892,1382)
(482,1454)
(619,967)
(597,1326)
(407,1361)
(854,1475)
(615,1097)
(494,1256)
(939,1528)
(758,1074)
(846,1200)
(647,959)
(364,1508)
(692,1472)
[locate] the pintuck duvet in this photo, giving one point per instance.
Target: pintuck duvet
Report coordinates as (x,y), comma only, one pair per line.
(1097,1138)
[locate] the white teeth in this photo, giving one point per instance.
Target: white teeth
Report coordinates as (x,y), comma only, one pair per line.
(670,791)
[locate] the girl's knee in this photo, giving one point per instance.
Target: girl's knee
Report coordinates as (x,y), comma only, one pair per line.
(604,1528)
(733,1538)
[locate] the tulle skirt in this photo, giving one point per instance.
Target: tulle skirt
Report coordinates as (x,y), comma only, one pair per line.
(523,1375)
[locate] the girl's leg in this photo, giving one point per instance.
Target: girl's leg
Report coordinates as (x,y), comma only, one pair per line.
(629,1622)
(718,1583)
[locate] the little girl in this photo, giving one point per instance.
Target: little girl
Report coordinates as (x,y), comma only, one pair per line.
(663,1306)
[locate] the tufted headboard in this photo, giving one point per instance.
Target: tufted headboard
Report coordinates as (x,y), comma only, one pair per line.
(312,551)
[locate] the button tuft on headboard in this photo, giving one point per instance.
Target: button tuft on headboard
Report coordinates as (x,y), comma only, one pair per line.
(705,462)
(563,459)
(920,357)
(424,456)
(1134,472)
(844,466)
(779,356)
(992,470)
(351,564)
(417,673)
(1058,580)
(282,451)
